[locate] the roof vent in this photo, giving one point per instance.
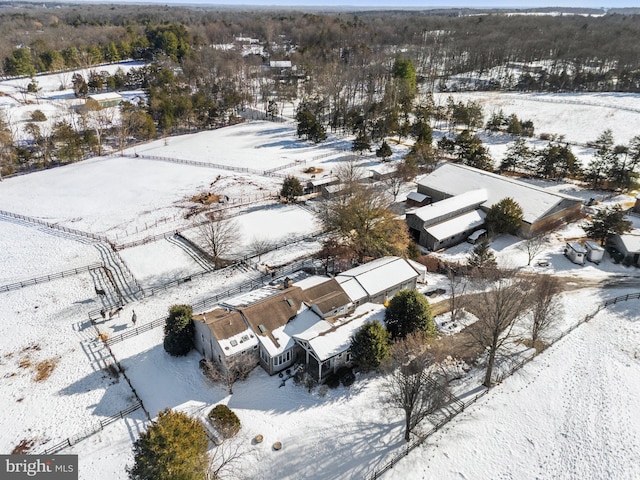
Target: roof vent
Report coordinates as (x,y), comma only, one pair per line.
(289,301)
(233,343)
(262,329)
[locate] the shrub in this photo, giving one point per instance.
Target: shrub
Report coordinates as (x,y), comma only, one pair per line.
(224,421)
(332,381)
(38,116)
(370,346)
(346,376)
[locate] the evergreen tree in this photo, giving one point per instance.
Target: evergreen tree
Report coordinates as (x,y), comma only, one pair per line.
(408,312)
(514,127)
(361,142)
(602,158)
(482,256)
(384,151)
(178,331)
(504,217)
(309,126)
(291,189)
(173,448)
(370,346)
(517,156)
(607,222)
(472,152)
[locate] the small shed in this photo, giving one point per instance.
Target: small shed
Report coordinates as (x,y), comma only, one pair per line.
(415,199)
(595,252)
(575,252)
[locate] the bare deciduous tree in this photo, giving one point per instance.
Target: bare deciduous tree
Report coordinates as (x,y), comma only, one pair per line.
(533,246)
(545,306)
(503,298)
(235,368)
(458,284)
(414,384)
(219,234)
(226,460)
(259,246)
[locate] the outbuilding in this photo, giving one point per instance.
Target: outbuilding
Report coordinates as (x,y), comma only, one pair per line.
(595,252)
(575,252)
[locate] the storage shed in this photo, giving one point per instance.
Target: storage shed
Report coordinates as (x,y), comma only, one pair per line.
(575,252)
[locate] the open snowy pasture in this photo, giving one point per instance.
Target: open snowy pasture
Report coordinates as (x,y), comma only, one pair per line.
(257,145)
(568,414)
(580,117)
(159,262)
(39,251)
(112,196)
(53,366)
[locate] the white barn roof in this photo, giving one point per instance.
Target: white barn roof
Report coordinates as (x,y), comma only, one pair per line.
(449,228)
(466,200)
(454,179)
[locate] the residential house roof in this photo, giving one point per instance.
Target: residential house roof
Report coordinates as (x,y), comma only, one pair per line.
(267,315)
(334,339)
(376,276)
(455,179)
(229,329)
(327,296)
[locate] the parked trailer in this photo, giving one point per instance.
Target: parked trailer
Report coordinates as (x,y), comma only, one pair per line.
(575,252)
(595,252)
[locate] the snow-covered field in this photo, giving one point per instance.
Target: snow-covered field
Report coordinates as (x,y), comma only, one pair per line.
(568,414)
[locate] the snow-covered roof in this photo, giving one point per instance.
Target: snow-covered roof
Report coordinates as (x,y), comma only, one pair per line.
(459,224)
(101,97)
(417,197)
(336,339)
(352,287)
(377,276)
(280,63)
(576,247)
(467,200)
(306,320)
(230,330)
(631,243)
(454,179)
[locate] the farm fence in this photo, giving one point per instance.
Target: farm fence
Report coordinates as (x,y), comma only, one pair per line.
(48,278)
(54,226)
(93,429)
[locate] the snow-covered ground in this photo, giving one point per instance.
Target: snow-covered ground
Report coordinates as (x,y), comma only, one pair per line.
(568,414)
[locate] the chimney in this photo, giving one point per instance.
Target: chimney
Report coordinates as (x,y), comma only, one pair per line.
(287,283)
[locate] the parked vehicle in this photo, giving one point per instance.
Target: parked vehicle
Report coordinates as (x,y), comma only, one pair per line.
(477,236)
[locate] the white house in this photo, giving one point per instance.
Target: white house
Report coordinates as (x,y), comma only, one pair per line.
(309,321)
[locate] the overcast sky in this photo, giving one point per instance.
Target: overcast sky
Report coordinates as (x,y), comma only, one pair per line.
(410,3)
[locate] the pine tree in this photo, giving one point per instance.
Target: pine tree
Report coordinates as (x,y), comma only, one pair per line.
(607,222)
(482,256)
(408,312)
(370,346)
(384,151)
(173,448)
(178,331)
(291,189)
(504,217)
